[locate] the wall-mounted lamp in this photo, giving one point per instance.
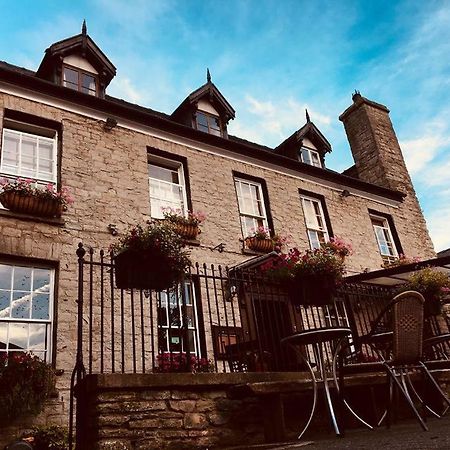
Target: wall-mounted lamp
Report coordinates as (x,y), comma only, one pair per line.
(345,193)
(113,229)
(110,123)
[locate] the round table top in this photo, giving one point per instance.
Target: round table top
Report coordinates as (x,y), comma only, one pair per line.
(317,335)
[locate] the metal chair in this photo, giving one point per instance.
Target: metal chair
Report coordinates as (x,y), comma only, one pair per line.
(396,337)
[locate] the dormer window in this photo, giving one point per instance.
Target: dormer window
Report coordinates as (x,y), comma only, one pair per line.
(311,157)
(79,80)
(208,123)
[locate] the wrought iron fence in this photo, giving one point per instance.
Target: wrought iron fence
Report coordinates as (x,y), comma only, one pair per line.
(218,319)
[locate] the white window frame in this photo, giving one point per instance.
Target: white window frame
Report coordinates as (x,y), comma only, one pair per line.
(312,154)
(169,164)
(176,301)
(310,228)
(258,220)
(48,323)
(19,174)
(389,242)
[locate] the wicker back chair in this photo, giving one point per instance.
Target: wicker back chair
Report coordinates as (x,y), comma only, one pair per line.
(407,328)
(396,337)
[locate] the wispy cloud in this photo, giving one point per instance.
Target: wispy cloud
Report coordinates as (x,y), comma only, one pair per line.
(275,120)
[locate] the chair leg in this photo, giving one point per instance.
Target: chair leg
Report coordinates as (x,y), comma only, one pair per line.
(436,385)
(401,389)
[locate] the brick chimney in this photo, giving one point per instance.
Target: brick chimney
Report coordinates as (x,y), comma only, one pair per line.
(374,145)
(379,160)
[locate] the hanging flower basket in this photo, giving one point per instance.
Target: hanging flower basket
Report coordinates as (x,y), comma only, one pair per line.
(265,245)
(148,269)
(317,290)
(26,196)
(150,257)
(187,231)
(187,226)
(31,204)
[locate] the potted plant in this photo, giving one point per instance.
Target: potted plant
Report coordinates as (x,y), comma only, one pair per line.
(338,246)
(433,285)
(178,362)
(25,383)
(150,257)
(310,277)
(187,226)
(28,197)
(260,240)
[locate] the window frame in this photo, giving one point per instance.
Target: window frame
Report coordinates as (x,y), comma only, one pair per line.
(168,161)
(262,189)
(208,117)
(320,200)
(310,152)
(198,329)
(50,323)
(391,233)
(80,72)
(8,127)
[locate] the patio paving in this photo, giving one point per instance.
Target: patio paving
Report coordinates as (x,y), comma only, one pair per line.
(402,435)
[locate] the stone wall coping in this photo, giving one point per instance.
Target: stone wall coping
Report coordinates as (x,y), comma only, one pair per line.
(118,381)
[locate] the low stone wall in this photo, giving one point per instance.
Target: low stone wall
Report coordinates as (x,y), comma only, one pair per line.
(170,411)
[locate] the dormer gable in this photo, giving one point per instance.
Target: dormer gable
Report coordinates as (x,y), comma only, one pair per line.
(77,63)
(307,145)
(206,109)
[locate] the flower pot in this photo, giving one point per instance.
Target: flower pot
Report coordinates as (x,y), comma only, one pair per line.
(31,204)
(149,269)
(187,231)
(315,290)
(259,245)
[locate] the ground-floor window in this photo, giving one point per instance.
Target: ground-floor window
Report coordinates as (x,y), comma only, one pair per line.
(26,309)
(179,309)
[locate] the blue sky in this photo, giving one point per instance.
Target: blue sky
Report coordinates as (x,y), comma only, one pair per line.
(271,59)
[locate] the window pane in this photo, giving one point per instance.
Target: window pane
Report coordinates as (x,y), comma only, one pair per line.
(71,78)
(18,336)
(22,279)
(40,308)
(162,173)
(202,120)
(41,280)
(87,83)
(37,338)
(10,154)
(4,304)
(20,305)
(5,276)
(3,335)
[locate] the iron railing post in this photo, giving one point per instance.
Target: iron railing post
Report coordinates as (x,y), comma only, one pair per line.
(79,370)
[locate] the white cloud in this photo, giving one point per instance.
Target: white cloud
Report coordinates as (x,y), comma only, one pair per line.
(438,221)
(123,88)
(273,120)
(419,152)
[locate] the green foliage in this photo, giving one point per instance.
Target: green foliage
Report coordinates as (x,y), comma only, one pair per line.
(48,438)
(158,237)
(25,383)
(430,282)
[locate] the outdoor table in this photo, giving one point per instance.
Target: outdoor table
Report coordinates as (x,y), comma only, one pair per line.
(317,339)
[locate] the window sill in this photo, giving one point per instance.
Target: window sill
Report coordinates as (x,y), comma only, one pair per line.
(57,221)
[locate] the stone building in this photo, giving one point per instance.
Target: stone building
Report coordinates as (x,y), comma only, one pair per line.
(123,162)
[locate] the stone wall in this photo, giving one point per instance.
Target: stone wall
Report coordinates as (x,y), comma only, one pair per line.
(107,174)
(170,411)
